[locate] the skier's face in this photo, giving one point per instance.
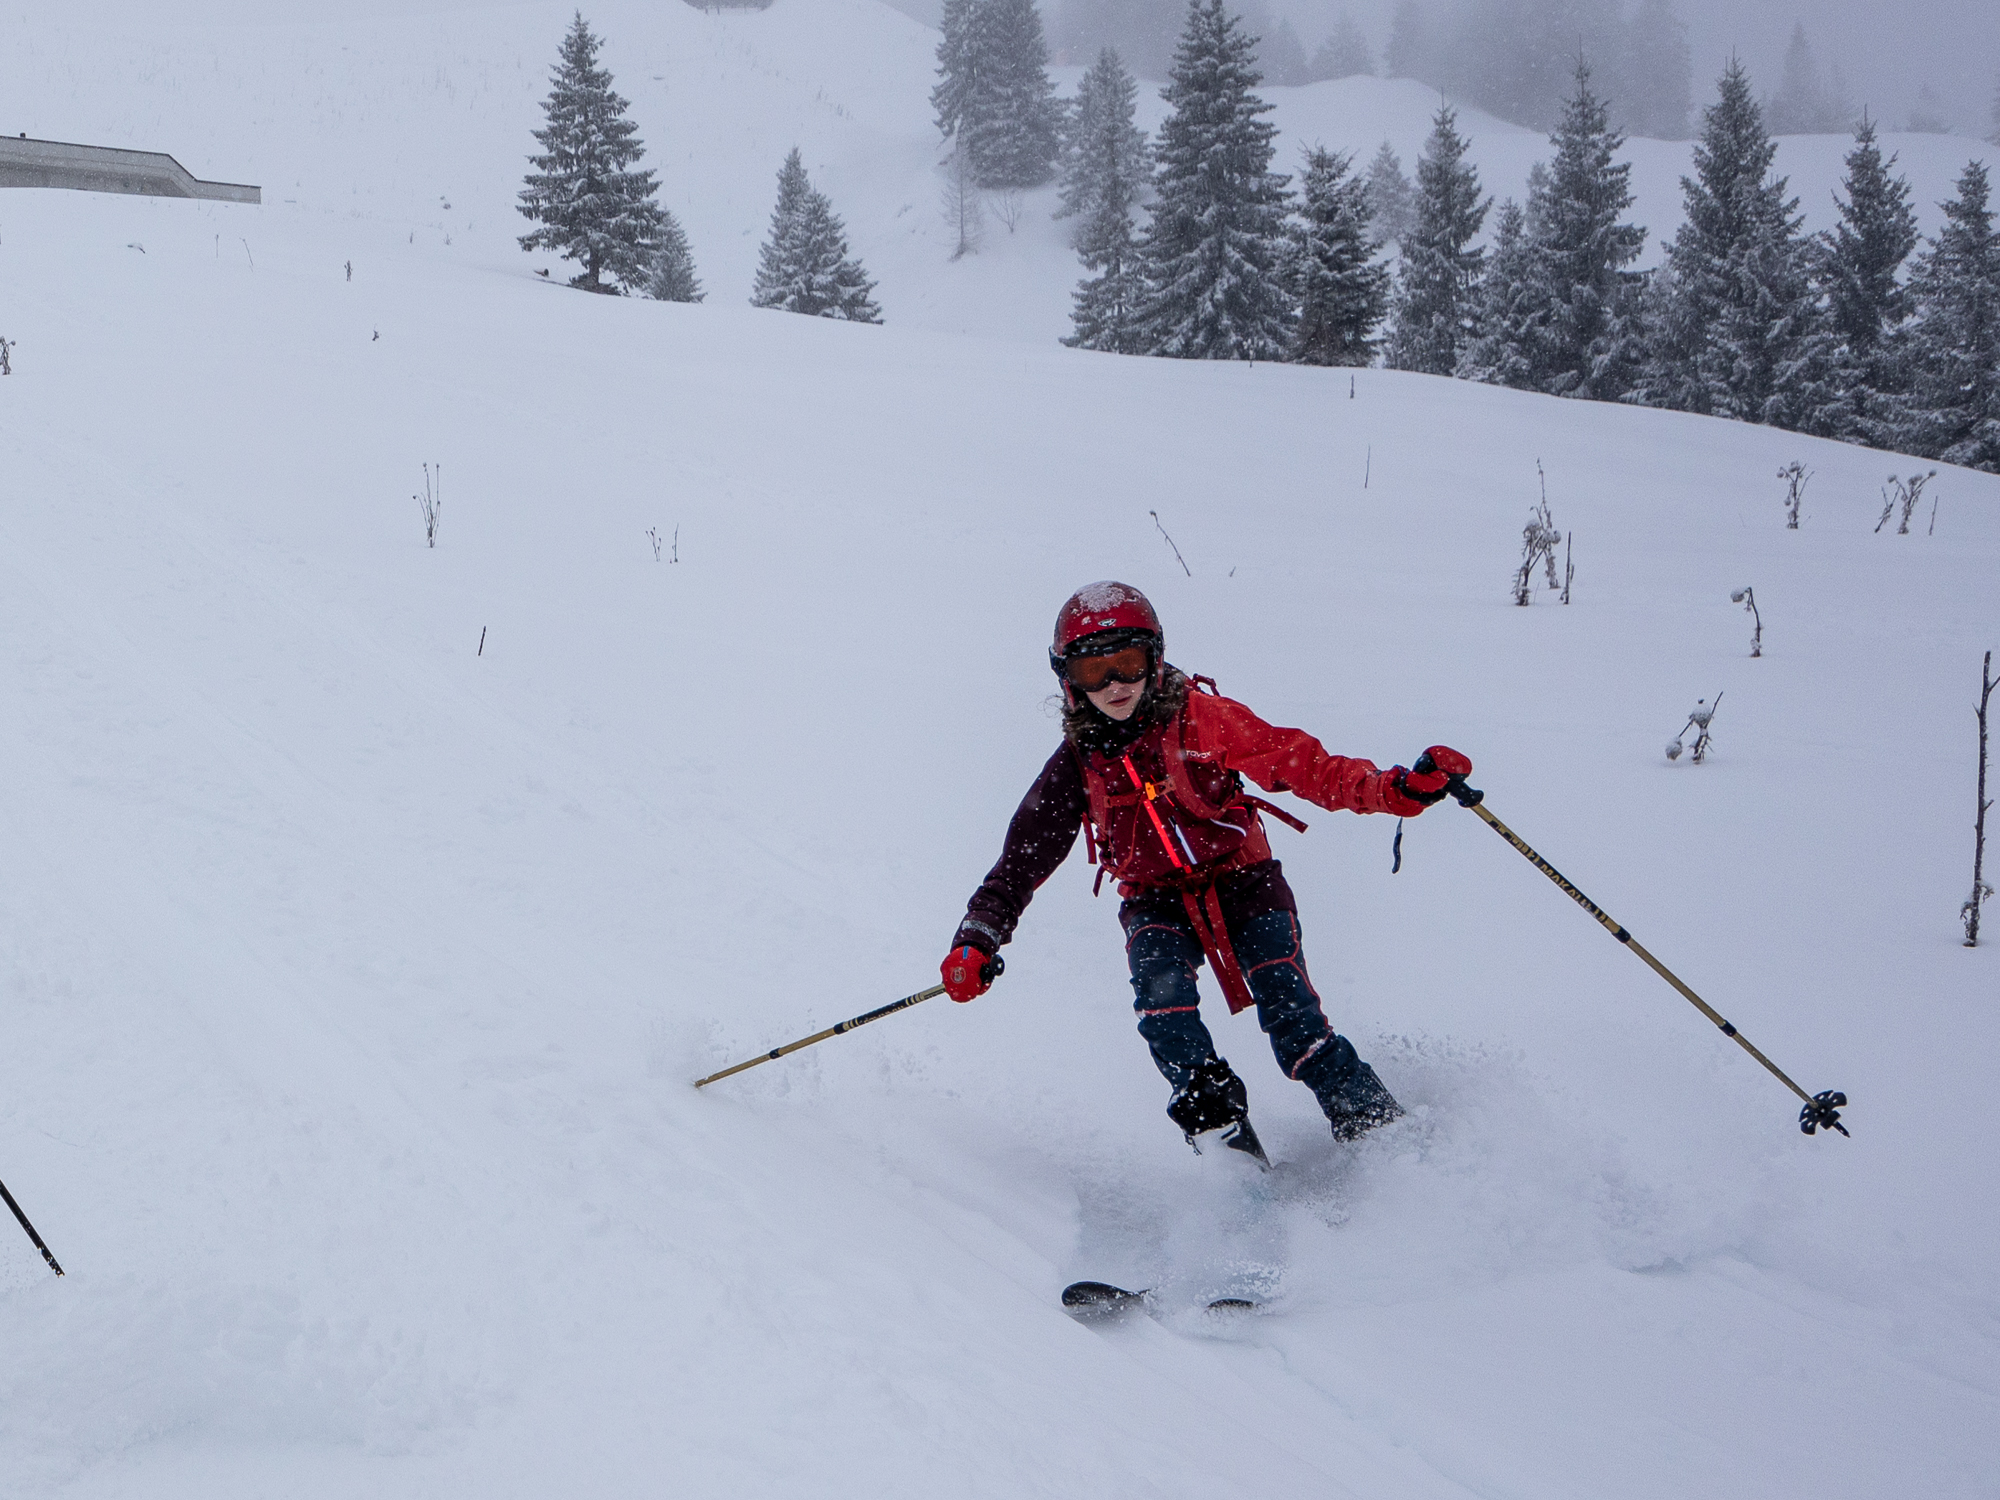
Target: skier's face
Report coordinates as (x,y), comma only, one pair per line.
(1118,700)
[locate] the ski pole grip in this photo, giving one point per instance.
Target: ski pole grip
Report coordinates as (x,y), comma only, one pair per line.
(1467,796)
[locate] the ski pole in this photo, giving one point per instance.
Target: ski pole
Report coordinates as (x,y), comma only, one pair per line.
(1822,1109)
(30,1228)
(818,1036)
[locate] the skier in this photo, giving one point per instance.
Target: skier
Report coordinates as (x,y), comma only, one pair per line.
(1151,767)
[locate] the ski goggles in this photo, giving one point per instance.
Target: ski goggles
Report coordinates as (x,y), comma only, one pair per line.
(1094,673)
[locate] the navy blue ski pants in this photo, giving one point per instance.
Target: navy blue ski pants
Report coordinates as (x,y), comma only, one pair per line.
(1164,953)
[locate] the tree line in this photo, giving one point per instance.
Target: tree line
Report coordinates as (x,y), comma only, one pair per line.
(1858,333)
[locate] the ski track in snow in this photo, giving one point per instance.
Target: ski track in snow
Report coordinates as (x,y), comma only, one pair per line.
(351,982)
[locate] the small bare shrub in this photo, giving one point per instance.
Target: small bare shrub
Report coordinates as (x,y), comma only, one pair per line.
(1747,597)
(1795,475)
(432,502)
(1969,913)
(1699,718)
(1904,493)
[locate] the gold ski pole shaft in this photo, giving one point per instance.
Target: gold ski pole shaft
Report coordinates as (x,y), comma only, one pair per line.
(819,1036)
(1820,1109)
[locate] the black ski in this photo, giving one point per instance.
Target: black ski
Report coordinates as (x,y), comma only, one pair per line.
(1099,1301)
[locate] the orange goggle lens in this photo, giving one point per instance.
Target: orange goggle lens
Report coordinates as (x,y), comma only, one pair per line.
(1092,673)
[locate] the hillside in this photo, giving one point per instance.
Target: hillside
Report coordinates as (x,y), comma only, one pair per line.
(370,907)
(380,135)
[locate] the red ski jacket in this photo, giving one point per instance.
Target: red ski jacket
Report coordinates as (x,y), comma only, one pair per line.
(1170,813)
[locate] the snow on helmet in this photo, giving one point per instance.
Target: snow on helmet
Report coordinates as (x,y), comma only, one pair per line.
(1098,607)
(1110,614)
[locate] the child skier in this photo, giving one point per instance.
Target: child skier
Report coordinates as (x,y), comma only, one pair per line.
(1152,765)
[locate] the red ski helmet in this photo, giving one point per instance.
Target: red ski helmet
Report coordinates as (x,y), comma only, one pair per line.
(1115,611)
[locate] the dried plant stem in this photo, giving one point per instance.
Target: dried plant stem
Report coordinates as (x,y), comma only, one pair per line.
(1980,889)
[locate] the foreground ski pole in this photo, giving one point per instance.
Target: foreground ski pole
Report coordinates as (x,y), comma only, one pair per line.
(1822,1109)
(30,1228)
(805,1041)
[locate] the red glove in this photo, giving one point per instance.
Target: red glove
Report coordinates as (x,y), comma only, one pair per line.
(1430,779)
(969,972)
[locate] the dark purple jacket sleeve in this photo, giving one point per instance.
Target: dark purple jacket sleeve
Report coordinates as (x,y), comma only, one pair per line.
(1038,840)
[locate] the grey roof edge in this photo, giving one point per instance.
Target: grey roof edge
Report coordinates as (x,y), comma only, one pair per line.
(27,161)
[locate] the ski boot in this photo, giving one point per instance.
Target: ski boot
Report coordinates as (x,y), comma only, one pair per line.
(1359,1105)
(1214,1098)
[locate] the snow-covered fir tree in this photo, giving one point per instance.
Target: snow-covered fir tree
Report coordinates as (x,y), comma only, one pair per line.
(1411,52)
(1104,144)
(1281,57)
(1440,275)
(994,99)
(1108,170)
(1657,86)
(1583,246)
(673,278)
(1735,328)
(1860,263)
(1804,104)
(1341,292)
(1953,343)
(1865,252)
(1509,322)
(1344,54)
(1392,198)
(592,205)
(1215,245)
(962,52)
(804,266)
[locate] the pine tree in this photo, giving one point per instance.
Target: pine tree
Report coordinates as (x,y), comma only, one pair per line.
(1509,325)
(1583,247)
(962,54)
(1104,144)
(994,99)
(1344,54)
(1341,292)
(1107,173)
(1801,106)
(1410,53)
(1392,199)
(1434,301)
(1281,57)
(1953,409)
(1214,247)
(1658,73)
(803,266)
(1023,125)
(1858,267)
(673,278)
(592,207)
(1742,335)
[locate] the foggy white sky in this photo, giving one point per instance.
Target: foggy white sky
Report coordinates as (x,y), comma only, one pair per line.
(1887,51)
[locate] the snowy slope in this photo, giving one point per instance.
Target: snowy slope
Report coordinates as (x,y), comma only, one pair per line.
(351,978)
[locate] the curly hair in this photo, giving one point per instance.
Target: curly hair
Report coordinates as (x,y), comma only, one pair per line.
(1093,733)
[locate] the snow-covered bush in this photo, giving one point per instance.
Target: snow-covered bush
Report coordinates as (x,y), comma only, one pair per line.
(1699,718)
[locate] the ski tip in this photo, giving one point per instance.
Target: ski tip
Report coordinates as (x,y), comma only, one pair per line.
(1233,1305)
(1099,1299)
